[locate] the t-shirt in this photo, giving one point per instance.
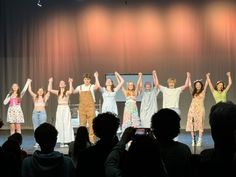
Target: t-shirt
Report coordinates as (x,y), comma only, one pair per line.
(219,96)
(170,97)
(83,87)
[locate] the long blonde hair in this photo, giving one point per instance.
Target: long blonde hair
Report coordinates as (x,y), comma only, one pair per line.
(130,92)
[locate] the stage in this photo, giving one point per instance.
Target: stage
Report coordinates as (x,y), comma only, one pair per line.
(28,141)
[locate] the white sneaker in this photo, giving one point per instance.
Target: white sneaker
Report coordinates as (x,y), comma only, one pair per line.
(66,145)
(199,143)
(36,145)
(62,145)
(119,130)
(193,143)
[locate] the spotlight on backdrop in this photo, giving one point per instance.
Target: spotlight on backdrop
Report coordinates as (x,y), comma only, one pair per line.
(39,3)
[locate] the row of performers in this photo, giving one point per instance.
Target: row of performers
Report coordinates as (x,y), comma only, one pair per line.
(171,95)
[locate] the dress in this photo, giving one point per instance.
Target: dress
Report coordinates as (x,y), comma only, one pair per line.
(130,117)
(109,101)
(63,121)
(196,114)
(148,107)
(14,112)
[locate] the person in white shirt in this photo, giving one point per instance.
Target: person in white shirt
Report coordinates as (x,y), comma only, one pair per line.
(87,102)
(171,94)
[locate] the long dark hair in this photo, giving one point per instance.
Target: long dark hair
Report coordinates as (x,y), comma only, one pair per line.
(63,94)
(195,91)
(81,140)
(37,95)
(112,86)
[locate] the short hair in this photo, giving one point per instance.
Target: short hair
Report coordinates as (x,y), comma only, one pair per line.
(223,123)
(46,135)
(16,137)
(171,79)
(147,83)
(86,75)
(105,125)
(165,124)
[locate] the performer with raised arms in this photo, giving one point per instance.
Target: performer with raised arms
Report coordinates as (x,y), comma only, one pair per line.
(63,114)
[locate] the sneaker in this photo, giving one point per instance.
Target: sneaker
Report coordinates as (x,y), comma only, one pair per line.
(119,130)
(36,145)
(199,143)
(193,143)
(66,145)
(62,145)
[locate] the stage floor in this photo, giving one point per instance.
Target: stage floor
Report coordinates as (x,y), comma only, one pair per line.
(28,141)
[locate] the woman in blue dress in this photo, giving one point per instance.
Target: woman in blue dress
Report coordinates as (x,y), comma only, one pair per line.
(109,93)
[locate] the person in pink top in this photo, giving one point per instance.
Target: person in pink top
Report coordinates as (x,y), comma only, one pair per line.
(15,115)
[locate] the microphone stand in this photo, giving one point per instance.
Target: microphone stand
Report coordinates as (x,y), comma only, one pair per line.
(194,137)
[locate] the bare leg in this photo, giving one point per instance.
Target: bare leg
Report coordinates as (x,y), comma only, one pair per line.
(12,128)
(192,133)
(18,128)
(200,134)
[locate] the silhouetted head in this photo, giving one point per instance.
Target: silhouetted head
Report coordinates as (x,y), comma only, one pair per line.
(46,136)
(105,125)
(16,137)
(165,124)
(13,147)
(82,134)
(223,125)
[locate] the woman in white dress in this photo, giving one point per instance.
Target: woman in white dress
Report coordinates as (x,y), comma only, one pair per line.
(15,115)
(109,93)
(63,114)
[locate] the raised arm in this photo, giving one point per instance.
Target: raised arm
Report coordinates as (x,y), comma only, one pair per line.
(70,91)
(229,81)
(155,79)
(137,89)
(97,84)
(209,82)
(30,89)
(50,81)
(120,81)
(186,82)
(190,85)
(25,88)
(205,86)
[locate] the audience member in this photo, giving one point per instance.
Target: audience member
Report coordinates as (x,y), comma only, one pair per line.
(47,162)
